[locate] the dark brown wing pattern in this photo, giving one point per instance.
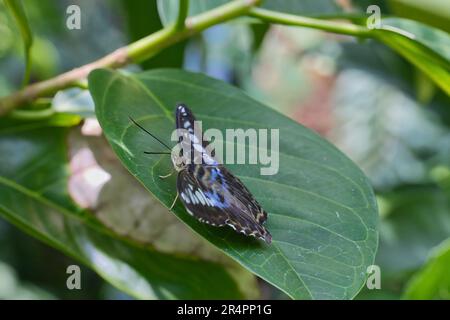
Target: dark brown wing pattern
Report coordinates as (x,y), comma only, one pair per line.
(215,196)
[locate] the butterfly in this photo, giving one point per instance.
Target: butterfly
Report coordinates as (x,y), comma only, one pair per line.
(207,189)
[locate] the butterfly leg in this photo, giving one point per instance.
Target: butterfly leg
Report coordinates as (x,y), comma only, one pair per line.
(173,203)
(167,175)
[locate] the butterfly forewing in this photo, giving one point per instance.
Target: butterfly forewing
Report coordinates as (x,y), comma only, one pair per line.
(190,140)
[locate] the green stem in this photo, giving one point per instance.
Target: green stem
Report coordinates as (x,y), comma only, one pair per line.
(42,102)
(294,20)
(154,43)
(32,114)
(183,9)
(135,52)
(82,84)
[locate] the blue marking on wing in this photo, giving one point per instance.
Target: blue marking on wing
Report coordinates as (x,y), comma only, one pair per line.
(214,198)
(215,173)
(207,159)
(212,194)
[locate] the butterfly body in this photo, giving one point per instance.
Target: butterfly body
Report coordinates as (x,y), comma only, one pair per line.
(208,190)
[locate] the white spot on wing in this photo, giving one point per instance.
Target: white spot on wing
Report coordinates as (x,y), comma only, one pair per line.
(200,196)
(189,211)
(194,139)
(232,226)
(185,198)
(193,198)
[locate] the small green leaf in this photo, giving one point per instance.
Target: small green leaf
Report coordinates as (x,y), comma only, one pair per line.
(433,280)
(34,197)
(322,211)
(74,101)
(18,12)
(435,13)
(432,38)
(425,47)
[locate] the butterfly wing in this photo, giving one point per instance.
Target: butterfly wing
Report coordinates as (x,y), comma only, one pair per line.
(215,196)
(184,119)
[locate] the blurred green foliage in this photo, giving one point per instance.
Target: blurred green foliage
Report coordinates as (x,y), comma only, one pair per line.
(383,112)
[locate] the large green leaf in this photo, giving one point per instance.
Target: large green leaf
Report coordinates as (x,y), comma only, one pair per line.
(322,212)
(33,196)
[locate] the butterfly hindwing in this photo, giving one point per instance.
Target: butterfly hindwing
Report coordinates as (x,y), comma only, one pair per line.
(215,196)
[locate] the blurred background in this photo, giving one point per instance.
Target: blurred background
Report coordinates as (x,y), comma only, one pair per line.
(362,96)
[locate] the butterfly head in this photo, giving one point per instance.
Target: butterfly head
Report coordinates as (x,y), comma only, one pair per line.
(179,162)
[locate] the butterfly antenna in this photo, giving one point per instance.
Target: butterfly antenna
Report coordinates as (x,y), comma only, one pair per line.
(145,130)
(150,152)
